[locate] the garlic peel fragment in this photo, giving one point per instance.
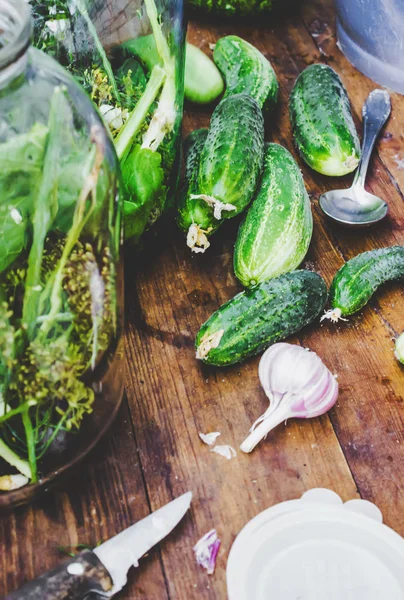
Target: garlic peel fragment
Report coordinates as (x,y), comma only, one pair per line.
(225,451)
(206,550)
(209,438)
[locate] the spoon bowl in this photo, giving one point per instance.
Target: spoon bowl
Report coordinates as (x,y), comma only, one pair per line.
(353,207)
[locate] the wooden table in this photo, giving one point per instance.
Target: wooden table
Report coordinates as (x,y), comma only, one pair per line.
(154,453)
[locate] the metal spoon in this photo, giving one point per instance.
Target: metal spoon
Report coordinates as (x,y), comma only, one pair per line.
(355,206)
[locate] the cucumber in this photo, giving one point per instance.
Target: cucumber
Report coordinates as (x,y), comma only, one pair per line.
(276,233)
(322,123)
(246,70)
(144,47)
(234,8)
(203,81)
(357,281)
(255,319)
(228,170)
(399,349)
(193,146)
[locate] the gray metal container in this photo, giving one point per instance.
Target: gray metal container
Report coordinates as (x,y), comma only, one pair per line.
(371,35)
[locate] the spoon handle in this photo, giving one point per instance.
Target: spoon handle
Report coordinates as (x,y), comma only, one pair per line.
(376,111)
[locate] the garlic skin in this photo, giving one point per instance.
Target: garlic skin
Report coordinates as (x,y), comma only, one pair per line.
(206,550)
(297,383)
(225,450)
(209,438)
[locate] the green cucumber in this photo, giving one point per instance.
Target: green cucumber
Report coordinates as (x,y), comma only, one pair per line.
(228,171)
(357,281)
(276,233)
(246,70)
(192,146)
(144,47)
(256,319)
(203,81)
(234,8)
(322,123)
(399,349)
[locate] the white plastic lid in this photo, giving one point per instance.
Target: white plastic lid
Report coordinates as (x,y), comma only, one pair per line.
(317,548)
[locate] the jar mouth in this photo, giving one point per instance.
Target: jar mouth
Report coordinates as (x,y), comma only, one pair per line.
(15,30)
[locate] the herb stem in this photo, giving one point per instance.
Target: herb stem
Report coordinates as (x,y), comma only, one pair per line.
(163,120)
(46,205)
(161,42)
(13,459)
(55,432)
(124,140)
(80,219)
(29,433)
(65,317)
(17,411)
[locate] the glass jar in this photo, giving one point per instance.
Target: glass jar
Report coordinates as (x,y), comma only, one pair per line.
(60,273)
(129,56)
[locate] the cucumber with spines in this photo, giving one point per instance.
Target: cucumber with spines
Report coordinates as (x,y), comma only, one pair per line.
(228,171)
(359,278)
(322,123)
(236,8)
(246,70)
(192,147)
(257,318)
(276,233)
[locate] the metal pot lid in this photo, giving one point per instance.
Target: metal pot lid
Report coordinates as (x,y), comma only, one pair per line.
(317,548)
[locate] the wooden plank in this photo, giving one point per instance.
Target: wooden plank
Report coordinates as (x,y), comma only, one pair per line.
(103,497)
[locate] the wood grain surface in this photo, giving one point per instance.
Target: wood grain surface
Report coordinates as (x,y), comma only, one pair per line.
(153,452)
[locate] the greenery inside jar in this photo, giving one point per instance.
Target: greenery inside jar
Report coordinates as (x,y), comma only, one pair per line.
(59,254)
(134,74)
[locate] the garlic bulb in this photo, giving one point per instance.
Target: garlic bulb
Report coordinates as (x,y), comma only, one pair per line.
(297,383)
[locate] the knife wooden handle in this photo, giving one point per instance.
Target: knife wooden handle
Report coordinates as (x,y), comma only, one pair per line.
(80,577)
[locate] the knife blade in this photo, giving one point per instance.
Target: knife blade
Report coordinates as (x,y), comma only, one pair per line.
(103,571)
(125,549)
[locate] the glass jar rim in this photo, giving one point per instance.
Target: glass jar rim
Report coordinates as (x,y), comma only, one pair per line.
(15,30)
